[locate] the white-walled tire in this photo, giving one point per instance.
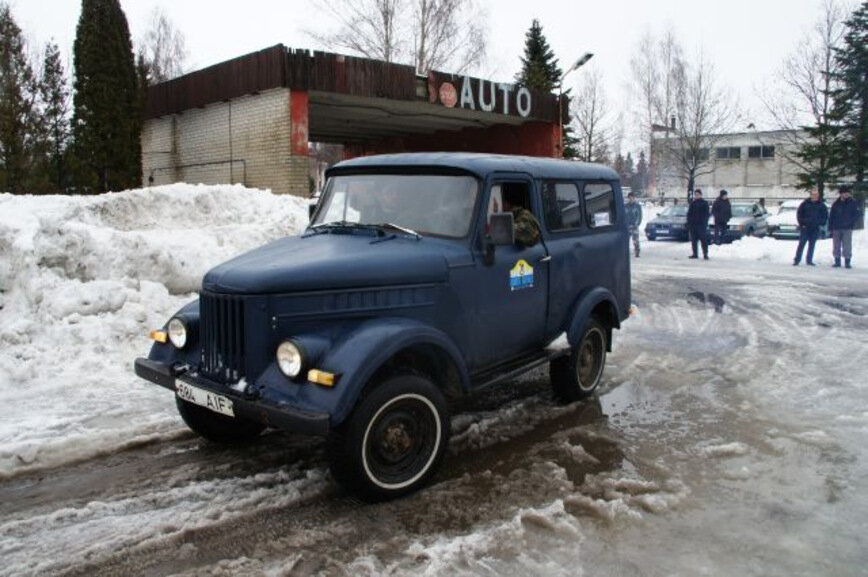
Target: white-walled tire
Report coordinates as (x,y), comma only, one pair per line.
(577,376)
(393,441)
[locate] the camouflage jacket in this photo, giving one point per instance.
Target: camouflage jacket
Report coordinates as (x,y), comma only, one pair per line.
(526,227)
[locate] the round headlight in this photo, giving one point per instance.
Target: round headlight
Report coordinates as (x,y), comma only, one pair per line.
(177,333)
(290,359)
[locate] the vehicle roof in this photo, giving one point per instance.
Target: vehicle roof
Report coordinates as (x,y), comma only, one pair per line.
(479,164)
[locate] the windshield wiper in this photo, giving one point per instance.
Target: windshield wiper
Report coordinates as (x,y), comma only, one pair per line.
(399,228)
(378,228)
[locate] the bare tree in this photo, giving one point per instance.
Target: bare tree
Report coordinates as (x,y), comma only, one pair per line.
(448,33)
(703,115)
(799,100)
(593,130)
(444,33)
(365,27)
(163,48)
(656,67)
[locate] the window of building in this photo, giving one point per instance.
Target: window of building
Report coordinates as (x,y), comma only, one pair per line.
(728,153)
(703,154)
(561,205)
(599,204)
(761,152)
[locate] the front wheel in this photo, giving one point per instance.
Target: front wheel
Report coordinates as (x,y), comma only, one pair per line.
(215,427)
(393,441)
(577,376)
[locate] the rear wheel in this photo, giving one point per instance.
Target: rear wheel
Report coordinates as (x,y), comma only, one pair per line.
(393,441)
(216,427)
(577,376)
(651,236)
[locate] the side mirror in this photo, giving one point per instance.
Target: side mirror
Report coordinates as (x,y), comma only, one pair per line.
(502,229)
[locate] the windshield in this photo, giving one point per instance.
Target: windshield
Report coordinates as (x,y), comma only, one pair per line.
(742,210)
(675,211)
(784,209)
(438,205)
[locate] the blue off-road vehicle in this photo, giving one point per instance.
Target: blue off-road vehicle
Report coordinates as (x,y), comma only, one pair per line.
(421,278)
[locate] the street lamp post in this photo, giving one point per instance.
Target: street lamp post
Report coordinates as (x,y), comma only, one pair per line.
(577,64)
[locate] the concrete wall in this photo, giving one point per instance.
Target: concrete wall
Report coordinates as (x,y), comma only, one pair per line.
(246,140)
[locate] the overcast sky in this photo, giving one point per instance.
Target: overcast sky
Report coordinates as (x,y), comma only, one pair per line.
(746,39)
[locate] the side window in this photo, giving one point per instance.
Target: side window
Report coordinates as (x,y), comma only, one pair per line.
(599,204)
(506,196)
(561,205)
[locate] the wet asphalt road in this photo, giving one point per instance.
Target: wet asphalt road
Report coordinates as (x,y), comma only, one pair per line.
(730,437)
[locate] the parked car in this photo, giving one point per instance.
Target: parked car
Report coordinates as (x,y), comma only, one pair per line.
(407,291)
(748,219)
(784,224)
(671,222)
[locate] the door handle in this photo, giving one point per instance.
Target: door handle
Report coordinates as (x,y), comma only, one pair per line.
(546,258)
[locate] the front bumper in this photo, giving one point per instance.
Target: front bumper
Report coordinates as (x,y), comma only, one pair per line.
(260,410)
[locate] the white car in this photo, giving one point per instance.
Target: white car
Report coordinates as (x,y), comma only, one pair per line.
(784,223)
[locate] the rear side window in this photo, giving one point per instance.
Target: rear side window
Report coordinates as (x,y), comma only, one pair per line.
(561,204)
(599,204)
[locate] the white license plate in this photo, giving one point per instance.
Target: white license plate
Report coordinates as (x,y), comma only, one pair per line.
(203,398)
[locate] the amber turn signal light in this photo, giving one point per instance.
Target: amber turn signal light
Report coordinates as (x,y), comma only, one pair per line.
(159,336)
(321,377)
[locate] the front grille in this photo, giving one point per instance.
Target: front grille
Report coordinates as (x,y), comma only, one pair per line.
(221,322)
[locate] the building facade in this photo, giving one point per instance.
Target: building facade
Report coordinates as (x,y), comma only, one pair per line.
(749,165)
(252,120)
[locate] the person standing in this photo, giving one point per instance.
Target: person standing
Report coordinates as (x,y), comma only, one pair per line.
(812,214)
(634,219)
(842,220)
(697,223)
(721,210)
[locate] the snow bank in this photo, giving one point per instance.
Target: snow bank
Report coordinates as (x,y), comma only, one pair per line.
(82,279)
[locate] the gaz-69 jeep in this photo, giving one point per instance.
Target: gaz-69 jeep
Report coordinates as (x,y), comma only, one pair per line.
(421,278)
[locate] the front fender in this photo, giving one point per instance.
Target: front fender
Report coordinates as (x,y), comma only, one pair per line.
(585,304)
(356,355)
(166,353)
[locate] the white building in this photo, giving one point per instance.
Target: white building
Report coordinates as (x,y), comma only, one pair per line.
(750,165)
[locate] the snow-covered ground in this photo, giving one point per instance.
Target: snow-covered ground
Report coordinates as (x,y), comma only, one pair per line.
(729,437)
(82,280)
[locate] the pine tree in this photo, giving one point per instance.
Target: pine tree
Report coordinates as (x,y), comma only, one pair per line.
(850,111)
(642,178)
(106,119)
(19,120)
(54,94)
(539,67)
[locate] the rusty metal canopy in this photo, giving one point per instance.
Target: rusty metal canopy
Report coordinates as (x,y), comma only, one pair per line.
(358,100)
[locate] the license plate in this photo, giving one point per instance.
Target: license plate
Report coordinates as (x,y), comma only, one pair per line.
(203,398)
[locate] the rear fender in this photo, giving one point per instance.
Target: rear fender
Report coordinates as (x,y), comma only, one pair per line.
(586,303)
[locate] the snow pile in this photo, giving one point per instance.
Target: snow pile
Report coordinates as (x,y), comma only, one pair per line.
(82,279)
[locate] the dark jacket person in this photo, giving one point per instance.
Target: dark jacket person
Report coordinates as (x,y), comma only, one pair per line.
(721,210)
(812,214)
(697,223)
(843,218)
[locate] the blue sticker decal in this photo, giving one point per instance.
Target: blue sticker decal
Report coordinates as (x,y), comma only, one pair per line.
(521,276)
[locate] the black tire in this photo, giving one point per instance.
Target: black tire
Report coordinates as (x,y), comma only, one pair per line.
(651,237)
(577,376)
(748,232)
(393,441)
(216,427)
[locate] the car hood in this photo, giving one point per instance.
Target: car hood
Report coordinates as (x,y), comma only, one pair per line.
(670,220)
(329,261)
(784,218)
(737,220)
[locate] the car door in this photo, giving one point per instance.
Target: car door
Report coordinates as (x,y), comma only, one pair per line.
(506,299)
(762,220)
(565,227)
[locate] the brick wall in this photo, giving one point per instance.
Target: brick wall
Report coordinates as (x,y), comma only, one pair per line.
(245,141)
